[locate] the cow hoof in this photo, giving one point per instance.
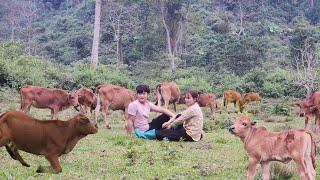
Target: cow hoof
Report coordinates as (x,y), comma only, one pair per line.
(40,169)
(108,127)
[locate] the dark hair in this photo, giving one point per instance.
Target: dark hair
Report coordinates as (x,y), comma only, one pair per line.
(142,88)
(194,94)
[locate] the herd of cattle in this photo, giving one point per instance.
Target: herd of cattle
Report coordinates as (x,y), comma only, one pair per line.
(53,138)
(114,97)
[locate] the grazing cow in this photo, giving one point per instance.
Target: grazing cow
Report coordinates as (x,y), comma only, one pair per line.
(20,131)
(54,99)
(167,93)
(205,99)
(86,98)
(309,108)
(264,146)
(112,97)
(230,96)
(249,97)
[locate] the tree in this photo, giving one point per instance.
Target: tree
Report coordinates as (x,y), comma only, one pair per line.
(304,47)
(96,35)
(307,65)
(173,17)
(121,21)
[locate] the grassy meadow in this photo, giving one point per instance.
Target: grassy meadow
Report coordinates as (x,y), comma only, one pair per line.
(111,154)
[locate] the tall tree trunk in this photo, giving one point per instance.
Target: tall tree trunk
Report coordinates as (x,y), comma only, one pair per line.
(119,51)
(96,33)
(169,40)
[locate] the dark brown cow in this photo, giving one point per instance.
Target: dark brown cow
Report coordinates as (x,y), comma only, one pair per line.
(54,99)
(167,93)
(263,146)
(310,107)
(230,96)
(205,99)
(112,97)
(86,98)
(249,97)
(19,131)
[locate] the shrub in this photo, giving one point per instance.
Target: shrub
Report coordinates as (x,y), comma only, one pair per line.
(282,109)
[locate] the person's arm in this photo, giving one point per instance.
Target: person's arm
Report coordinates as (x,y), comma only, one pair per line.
(187,114)
(129,123)
(161,110)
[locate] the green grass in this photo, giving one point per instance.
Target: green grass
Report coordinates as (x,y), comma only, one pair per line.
(112,154)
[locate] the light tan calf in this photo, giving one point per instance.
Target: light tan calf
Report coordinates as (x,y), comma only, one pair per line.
(263,146)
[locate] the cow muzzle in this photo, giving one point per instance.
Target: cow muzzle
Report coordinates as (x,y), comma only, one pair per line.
(231,130)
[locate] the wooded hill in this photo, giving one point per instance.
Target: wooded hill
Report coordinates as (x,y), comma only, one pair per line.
(269,46)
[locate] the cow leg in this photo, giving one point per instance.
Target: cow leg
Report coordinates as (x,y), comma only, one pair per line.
(309,166)
(301,167)
(166,104)
(25,107)
(306,121)
(308,159)
(212,109)
(265,170)
(104,113)
(13,151)
(55,165)
(252,168)
(55,114)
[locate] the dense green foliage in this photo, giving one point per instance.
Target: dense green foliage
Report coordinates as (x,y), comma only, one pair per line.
(49,42)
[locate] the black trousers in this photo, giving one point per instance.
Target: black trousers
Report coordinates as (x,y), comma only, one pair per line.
(176,134)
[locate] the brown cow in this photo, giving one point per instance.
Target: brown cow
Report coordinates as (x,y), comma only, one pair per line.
(167,93)
(54,99)
(249,97)
(205,99)
(86,98)
(264,146)
(112,97)
(19,131)
(230,96)
(309,107)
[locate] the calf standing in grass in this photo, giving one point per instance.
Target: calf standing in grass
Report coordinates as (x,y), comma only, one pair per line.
(55,99)
(19,131)
(87,99)
(263,146)
(230,96)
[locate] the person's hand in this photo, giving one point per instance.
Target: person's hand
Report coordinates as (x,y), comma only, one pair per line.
(166,125)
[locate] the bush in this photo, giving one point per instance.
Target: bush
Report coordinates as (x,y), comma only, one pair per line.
(282,109)
(84,75)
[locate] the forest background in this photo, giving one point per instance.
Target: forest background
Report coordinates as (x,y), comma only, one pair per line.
(268,46)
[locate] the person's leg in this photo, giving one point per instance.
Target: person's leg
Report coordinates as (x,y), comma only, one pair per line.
(151,134)
(173,134)
(157,122)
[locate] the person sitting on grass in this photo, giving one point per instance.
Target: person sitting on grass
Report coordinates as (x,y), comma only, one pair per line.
(138,112)
(185,126)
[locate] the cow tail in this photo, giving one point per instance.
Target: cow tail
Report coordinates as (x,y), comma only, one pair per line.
(158,88)
(97,106)
(313,149)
